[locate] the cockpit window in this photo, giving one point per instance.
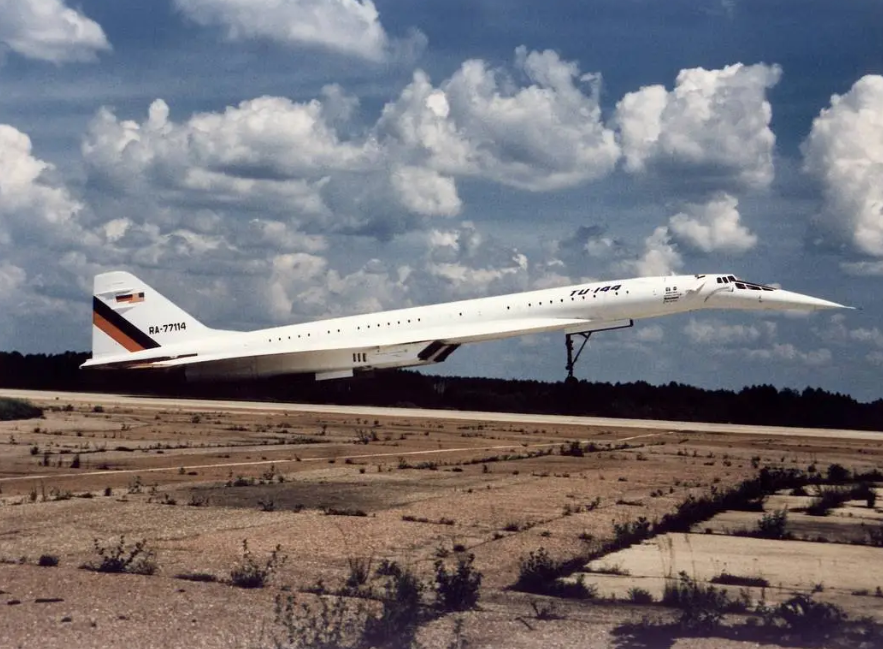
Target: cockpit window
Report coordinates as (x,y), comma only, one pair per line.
(750,286)
(732,278)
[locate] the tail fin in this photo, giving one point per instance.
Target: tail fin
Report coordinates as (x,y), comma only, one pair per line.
(129,316)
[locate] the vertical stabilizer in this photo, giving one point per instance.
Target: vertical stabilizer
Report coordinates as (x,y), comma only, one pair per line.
(130,316)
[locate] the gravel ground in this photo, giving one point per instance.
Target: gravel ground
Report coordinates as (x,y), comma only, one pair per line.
(477,490)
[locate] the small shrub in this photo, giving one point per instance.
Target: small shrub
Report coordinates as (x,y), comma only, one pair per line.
(47,561)
(640,595)
(838,474)
(98,409)
(773,525)
(807,618)
(702,606)
(573,449)
(360,572)
(613,569)
(410,518)
(875,536)
(396,625)
(828,498)
(323,625)
(631,532)
(12,409)
(577,589)
(343,511)
(539,573)
(726,579)
(240,481)
(536,572)
(545,610)
(197,500)
(136,559)
(135,487)
(206,577)
(457,590)
(251,573)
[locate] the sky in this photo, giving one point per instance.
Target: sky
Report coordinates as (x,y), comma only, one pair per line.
(265,162)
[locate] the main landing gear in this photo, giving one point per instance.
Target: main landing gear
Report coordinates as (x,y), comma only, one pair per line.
(571,357)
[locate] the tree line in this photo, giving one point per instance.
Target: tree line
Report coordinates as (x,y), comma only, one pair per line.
(759,404)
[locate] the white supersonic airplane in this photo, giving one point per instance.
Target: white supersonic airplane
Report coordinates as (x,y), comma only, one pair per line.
(135,327)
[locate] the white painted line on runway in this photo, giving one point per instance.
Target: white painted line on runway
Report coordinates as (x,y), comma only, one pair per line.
(226,465)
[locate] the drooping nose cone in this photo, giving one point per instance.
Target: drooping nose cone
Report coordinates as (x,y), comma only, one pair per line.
(738,294)
(788,300)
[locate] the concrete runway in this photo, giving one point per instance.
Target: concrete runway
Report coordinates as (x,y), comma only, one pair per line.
(204,405)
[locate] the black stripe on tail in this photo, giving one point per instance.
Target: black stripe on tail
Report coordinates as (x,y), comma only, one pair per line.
(124,326)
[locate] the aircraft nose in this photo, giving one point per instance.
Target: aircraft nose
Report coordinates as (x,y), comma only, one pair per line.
(790,300)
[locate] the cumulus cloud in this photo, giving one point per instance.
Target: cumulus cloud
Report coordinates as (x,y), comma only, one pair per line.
(875,357)
(714,226)
(307,160)
(49,30)
(267,154)
(593,241)
(650,334)
(457,262)
(41,225)
(837,331)
(33,207)
(713,124)
(660,256)
(425,191)
(307,285)
(862,268)
(709,227)
(479,123)
(789,353)
(715,332)
(871,336)
(348,26)
(11,279)
(462,262)
(844,151)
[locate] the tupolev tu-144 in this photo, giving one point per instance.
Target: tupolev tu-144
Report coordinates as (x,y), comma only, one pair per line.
(135,327)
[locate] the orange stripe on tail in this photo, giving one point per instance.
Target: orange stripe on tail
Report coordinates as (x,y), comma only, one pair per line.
(115,333)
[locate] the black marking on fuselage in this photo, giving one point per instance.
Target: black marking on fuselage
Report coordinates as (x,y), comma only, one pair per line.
(450,349)
(430,350)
